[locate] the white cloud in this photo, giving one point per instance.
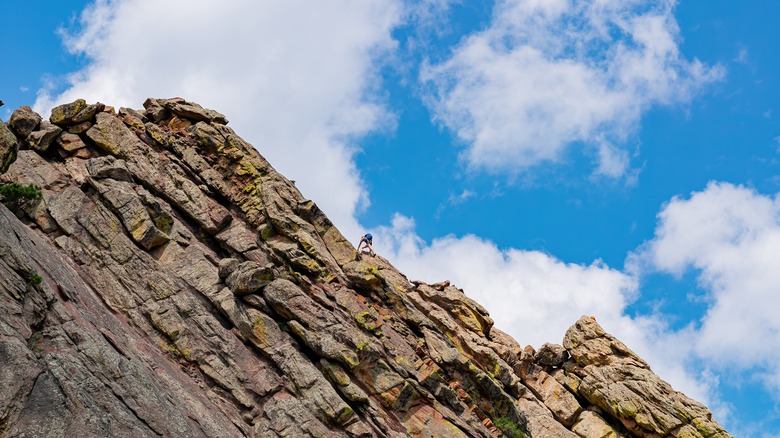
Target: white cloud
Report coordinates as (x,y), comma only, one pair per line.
(535,297)
(547,74)
(297,79)
(731,236)
(742,56)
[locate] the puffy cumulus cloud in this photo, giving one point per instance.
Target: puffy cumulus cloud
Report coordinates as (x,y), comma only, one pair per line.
(547,74)
(297,79)
(535,297)
(731,236)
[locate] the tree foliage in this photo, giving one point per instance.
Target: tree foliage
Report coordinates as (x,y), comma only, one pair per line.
(16,196)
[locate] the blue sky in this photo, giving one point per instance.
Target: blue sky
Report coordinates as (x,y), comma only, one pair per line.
(553,158)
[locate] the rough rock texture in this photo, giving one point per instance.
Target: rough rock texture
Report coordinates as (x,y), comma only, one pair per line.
(9,147)
(171,283)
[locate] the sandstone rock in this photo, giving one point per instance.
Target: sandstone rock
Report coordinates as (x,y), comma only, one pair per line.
(249,277)
(109,134)
(31,168)
(227,266)
(179,286)
(148,223)
(9,147)
(620,383)
(238,238)
(64,114)
(192,111)
(41,139)
(70,142)
(78,374)
(79,128)
(109,167)
(589,344)
(154,110)
(538,422)
(561,402)
(551,355)
(23,121)
(590,424)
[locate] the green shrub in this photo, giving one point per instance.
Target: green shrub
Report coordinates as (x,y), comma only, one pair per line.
(16,196)
(509,428)
(36,279)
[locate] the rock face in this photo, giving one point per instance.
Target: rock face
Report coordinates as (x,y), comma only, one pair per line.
(171,283)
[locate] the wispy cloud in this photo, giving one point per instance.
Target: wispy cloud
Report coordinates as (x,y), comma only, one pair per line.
(454,200)
(547,75)
(742,56)
(730,236)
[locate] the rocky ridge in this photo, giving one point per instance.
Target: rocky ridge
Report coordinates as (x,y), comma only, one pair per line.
(171,283)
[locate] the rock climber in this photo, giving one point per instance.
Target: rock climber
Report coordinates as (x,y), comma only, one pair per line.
(367,240)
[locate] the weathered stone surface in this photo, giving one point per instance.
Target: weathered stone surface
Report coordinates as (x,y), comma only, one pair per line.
(620,383)
(589,344)
(148,223)
(590,424)
(9,147)
(177,285)
(80,128)
(551,355)
(109,134)
(83,371)
(156,172)
(42,138)
(538,419)
(23,121)
(238,238)
(70,142)
(561,402)
(65,114)
(249,277)
(192,111)
(109,167)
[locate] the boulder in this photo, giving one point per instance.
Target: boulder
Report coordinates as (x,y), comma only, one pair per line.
(70,142)
(191,111)
(109,167)
(9,147)
(551,355)
(42,138)
(64,114)
(23,121)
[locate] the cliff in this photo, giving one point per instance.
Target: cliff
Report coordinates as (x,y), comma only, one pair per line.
(169,282)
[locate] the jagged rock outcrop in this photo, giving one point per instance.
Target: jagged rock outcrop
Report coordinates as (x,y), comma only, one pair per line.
(170,282)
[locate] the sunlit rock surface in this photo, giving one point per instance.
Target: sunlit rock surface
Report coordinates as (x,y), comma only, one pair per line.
(171,283)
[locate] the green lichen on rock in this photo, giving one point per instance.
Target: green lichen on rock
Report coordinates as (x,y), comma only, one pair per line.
(368,321)
(509,428)
(64,114)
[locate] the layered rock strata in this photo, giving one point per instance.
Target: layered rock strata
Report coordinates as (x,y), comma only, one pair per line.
(171,283)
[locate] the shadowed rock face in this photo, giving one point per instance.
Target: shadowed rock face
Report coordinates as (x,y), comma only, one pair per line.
(171,283)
